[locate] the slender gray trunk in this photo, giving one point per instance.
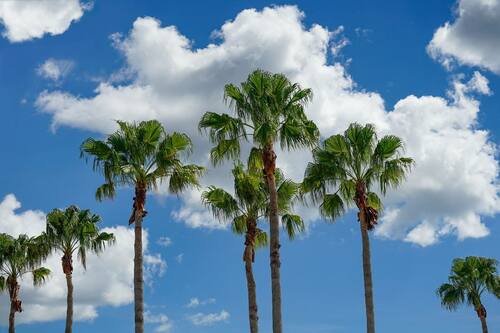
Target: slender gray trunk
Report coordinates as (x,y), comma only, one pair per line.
(140,200)
(248,258)
(367,275)
(69,303)
(483,324)
(252,298)
(269,159)
(67,266)
(12,318)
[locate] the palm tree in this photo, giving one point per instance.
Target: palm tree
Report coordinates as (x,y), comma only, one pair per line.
(249,205)
(74,231)
(141,155)
(20,256)
(344,171)
(470,278)
(268,108)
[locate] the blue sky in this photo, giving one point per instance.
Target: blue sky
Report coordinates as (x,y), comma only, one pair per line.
(62,87)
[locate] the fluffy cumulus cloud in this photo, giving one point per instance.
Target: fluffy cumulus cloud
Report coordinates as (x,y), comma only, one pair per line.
(472,38)
(26,20)
(97,286)
(55,69)
(454,181)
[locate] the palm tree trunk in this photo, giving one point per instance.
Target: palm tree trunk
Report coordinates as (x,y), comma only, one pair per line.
(15,302)
(248,258)
(367,275)
(67,264)
(481,313)
(367,266)
(140,201)
(12,316)
(69,304)
(252,298)
(483,324)
(269,159)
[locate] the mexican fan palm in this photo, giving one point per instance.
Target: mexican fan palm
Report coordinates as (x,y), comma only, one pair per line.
(18,257)
(141,155)
(268,109)
(245,209)
(470,278)
(344,173)
(73,231)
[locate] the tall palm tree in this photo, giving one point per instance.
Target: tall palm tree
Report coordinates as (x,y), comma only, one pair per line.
(267,108)
(470,278)
(249,205)
(141,155)
(20,256)
(344,171)
(74,231)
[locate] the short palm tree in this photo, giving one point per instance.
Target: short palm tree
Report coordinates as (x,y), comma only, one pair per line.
(344,172)
(249,205)
(470,278)
(268,108)
(20,256)
(141,155)
(74,231)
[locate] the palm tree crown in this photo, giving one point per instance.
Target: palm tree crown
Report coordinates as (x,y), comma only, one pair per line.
(74,230)
(20,256)
(347,166)
(268,108)
(23,255)
(142,154)
(470,278)
(251,202)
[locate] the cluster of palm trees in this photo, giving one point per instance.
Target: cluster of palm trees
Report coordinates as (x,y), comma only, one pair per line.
(68,232)
(349,170)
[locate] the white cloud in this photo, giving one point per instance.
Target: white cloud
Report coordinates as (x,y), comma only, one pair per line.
(455,178)
(29,19)
(472,38)
(195,302)
(179,258)
(155,266)
(164,324)
(209,319)
(339,41)
(55,69)
(106,282)
(164,241)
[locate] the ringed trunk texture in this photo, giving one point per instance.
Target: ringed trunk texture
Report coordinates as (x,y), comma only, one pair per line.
(367,266)
(67,264)
(269,159)
(248,258)
(139,202)
(481,313)
(15,302)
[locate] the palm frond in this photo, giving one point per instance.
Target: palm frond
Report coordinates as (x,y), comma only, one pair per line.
(332,206)
(40,275)
(293,224)
(221,204)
